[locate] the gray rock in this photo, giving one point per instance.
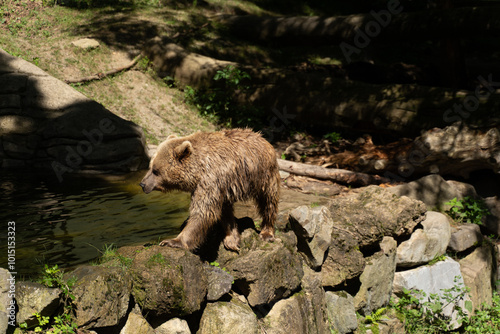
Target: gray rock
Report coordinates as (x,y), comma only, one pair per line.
(137,324)
(35,298)
(434,280)
(341,312)
(173,326)
(376,279)
(265,272)
(7,303)
(427,243)
(168,281)
(434,191)
(313,227)
(39,109)
(293,316)
(232,317)
(344,259)
(376,212)
(492,222)
(219,283)
(86,43)
(102,295)
(477,271)
(464,237)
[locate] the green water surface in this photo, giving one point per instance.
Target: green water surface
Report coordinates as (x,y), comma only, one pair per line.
(67,223)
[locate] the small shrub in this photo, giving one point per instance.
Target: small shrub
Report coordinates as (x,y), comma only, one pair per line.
(218,104)
(467,210)
(333,137)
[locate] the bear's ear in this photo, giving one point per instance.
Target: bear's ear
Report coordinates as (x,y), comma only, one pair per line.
(171,137)
(183,151)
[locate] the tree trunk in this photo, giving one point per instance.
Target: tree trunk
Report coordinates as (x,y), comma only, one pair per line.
(431,24)
(337,175)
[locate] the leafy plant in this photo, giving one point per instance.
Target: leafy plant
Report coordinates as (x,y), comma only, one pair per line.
(373,320)
(487,318)
(424,314)
(467,210)
(62,324)
(333,137)
(218,103)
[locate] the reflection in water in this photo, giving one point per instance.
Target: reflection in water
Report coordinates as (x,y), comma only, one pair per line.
(67,223)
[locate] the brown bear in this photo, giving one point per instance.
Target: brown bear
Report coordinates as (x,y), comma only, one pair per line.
(218,169)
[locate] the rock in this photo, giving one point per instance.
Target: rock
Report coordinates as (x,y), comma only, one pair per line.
(86,43)
(427,243)
(314,301)
(168,281)
(434,191)
(173,326)
(374,213)
(293,316)
(464,237)
(7,303)
(137,324)
(35,298)
(344,260)
(102,295)
(219,283)
(492,222)
(477,271)
(391,325)
(376,279)
(59,128)
(232,317)
(459,149)
(341,312)
(434,279)
(313,227)
(187,68)
(264,272)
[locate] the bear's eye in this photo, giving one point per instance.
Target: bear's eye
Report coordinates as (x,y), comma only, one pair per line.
(155,172)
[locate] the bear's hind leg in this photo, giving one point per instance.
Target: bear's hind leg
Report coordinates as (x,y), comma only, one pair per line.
(268,208)
(232,238)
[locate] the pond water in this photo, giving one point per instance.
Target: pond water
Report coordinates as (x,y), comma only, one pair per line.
(67,223)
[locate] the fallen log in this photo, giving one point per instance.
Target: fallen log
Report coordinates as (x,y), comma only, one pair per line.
(102,75)
(337,175)
(430,24)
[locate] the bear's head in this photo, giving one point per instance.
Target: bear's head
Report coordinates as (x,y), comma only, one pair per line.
(169,168)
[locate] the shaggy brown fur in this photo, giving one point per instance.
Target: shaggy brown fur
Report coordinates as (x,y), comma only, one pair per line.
(218,169)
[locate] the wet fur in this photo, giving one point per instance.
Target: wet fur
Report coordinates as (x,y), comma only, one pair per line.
(218,169)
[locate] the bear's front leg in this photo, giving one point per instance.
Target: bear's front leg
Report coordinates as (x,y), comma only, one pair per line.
(232,238)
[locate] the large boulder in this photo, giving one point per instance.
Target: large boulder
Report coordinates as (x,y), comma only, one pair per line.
(341,312)
(435,279)
(219,282)
(173,326)
(464,237)
(102,295)
(478,271)
(344,260)
(295,315)
(232,317)
(264,272)
(313,227)
(376,279)
(427,243)
(434,191)
(46,123)
(34,298)
(375,212)
(168,281)
(137,324)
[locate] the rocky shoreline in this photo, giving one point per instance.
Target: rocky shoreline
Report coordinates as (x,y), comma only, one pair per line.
(329,263)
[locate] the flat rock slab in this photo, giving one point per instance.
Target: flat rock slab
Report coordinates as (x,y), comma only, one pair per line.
(86,43)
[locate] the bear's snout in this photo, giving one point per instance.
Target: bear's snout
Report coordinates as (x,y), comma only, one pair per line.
(144,188)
